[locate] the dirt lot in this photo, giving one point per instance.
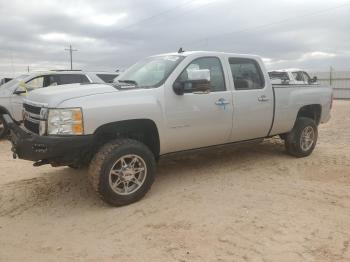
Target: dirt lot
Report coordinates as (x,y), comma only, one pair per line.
(227,204)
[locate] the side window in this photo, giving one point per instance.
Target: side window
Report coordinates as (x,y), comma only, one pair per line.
(298,76)
(51,80)
(307,78)
(72,79)
(246,74)
(217,79)
(35,83)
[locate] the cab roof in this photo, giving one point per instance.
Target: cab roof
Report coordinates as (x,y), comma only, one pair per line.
(287,70)
(209,53)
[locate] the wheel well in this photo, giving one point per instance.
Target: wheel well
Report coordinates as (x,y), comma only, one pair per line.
(3,110)
(311,111)
(143,130)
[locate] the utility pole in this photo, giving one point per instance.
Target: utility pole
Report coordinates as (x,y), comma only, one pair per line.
(330,75)
(71,50)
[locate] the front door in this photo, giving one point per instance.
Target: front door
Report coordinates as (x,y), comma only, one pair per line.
(252,100)
(198,120)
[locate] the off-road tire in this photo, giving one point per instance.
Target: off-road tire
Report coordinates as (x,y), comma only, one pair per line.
(293,138)
(104,160)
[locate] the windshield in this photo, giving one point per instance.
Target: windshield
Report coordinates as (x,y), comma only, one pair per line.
(13,81)
(150,72)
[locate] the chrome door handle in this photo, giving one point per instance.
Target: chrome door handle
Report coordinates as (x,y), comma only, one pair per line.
(222,102)
(263,98)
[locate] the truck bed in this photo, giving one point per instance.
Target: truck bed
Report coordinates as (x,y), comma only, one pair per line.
(288,99)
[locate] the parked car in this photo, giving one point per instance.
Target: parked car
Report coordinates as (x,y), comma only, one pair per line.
(291,77)
(13,92)
(5,80)
(164,104)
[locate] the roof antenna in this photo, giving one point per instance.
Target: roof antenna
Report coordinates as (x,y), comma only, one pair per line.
(181,50)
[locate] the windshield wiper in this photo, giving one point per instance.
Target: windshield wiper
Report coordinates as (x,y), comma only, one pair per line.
(132,82)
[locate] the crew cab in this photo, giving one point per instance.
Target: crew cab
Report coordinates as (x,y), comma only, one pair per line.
(13,92)
(291,77)
(164,104)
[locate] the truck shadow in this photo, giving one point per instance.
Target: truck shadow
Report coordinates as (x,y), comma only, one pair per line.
(64,187)
(222,156)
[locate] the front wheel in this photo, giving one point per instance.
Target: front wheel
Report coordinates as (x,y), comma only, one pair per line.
(122,171)
(301,141)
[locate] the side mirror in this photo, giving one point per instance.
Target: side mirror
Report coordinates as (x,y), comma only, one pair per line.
(22,88)
(198,82)
(314,79)
(19,92)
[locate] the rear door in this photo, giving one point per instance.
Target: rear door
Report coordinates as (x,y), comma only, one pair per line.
(252,99)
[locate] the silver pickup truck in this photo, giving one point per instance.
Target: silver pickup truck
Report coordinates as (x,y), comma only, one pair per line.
(164,104)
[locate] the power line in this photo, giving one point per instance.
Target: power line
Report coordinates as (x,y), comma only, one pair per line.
(194,9)
(267,25)
(154,16)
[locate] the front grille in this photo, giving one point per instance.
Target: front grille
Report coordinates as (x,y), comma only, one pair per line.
(32,109)
(32,118)
(33,127)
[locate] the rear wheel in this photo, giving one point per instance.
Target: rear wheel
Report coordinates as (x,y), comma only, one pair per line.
(301,141)
(122,171)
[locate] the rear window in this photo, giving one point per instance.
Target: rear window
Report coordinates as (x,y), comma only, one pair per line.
(107,78)
(72,79)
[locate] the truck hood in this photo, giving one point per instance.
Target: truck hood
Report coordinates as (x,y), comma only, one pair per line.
(54,95)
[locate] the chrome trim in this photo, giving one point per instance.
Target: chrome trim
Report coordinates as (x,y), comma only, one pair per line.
(37,104)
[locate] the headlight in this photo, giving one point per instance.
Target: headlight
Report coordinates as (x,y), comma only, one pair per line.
(65,122)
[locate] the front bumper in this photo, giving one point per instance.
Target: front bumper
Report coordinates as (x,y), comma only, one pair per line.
(56,150)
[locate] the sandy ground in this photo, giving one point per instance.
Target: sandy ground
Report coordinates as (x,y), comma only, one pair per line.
(227,204)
